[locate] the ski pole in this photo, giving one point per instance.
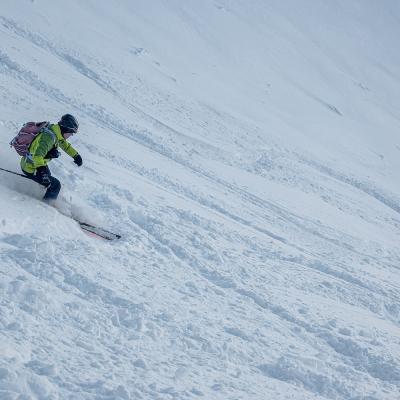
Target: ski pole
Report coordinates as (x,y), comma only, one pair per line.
(15,173)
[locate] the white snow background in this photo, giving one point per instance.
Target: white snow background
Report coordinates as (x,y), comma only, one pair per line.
(249,154)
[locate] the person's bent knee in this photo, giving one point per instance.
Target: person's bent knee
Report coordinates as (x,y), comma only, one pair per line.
(53,189)
(55,183)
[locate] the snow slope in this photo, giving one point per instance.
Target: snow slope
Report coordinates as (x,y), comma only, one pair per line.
(249,154)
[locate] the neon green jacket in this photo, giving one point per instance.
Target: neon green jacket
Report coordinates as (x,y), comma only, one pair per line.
(41,145)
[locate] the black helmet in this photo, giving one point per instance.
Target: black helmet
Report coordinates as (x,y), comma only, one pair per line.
(68,124)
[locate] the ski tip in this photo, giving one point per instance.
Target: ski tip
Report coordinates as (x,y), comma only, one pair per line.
(96,231)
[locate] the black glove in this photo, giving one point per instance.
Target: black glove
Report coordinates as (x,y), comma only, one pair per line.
(52,153)
(43,175)
(78,160)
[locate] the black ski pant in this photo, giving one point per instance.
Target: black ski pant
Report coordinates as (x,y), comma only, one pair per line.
(53,189)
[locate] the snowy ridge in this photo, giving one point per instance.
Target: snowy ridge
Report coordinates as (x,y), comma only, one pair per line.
(249,157)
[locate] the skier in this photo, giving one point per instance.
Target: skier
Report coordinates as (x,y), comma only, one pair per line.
(44,148)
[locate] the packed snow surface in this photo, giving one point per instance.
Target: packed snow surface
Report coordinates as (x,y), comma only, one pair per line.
(248,152)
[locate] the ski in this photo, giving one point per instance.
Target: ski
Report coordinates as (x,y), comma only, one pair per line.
(98,232)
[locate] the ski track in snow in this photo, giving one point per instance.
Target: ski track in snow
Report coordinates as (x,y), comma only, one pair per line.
(224,286)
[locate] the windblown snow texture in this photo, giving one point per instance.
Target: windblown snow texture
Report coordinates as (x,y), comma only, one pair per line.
(248,152)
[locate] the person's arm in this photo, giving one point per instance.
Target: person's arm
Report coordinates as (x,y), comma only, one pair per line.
(67,147)
(71,152)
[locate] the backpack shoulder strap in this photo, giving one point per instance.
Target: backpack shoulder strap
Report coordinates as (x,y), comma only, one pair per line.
(47,129)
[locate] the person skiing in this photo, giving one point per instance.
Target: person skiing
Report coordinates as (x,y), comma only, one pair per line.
(44,148)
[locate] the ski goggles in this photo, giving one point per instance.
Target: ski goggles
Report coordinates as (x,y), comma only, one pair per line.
(71,131)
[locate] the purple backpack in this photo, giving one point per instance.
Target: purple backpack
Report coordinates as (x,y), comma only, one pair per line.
(25,136)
